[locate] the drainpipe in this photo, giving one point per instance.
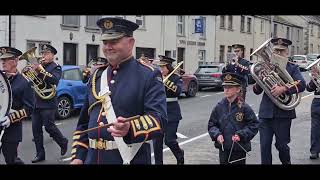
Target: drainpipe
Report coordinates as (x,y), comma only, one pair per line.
(9,30)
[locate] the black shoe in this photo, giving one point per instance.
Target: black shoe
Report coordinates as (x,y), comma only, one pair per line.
(18,161)
(314,156)
(38,159)
(64,148)
(180,160)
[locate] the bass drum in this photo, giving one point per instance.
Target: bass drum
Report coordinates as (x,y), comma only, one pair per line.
(5,95)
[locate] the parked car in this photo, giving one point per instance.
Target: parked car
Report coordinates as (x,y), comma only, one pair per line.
(190,84)
(312,57)
(209,75)
(190,81)
(300,60)
(71,91)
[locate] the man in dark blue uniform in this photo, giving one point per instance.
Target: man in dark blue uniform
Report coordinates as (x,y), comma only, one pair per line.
(232,124)
(173,89)
(315,114)
(276,121)
(44,114)
(22,105)
(239,66)
(136,89)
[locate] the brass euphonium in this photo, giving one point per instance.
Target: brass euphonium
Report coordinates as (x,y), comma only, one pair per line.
(314,72)
(270,71)
(44,90)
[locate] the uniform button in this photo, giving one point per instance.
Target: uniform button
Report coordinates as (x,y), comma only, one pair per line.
(115,72)
(112,81)
(101,124)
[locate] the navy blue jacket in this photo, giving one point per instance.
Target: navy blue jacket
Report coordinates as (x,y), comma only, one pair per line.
(137,89)
(173,90)
(23,103)
(268,109)
(315,106)
(229,119)
(51,75)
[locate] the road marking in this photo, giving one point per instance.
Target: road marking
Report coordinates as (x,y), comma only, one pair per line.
(220,93)
(257,114)
(307,95)
(185,142)
(66,159)
(181,136)
(251,105)
(205,96)
(58,124)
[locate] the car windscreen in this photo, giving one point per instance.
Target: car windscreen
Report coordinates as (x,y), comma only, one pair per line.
(72,74)
(312,57)
(208,69)
(299,58)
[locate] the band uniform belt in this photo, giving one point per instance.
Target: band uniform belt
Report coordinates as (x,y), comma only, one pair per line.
(102,144)
(172,99)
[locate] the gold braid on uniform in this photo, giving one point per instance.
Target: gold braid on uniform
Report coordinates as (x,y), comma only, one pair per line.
(170,85)
(76,142)
(294,84)
(100,99)
(144,125)
(17,116)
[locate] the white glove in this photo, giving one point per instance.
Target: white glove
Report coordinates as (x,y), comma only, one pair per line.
(5,122)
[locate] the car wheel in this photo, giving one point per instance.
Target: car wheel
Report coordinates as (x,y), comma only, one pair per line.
(192,89)
(64,107)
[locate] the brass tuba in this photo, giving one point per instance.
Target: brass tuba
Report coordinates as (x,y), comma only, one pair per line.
(44,90)
(270,71)
(315,66)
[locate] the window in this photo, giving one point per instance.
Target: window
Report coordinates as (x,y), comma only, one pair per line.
(292,50)
(167,53)
(262,26)
(73,21)
(148,52)
(140,20)
(38,44)
(230,19)
(298,35)
(249,25)
(202,55)
(222,21)
(288,33)
(275,29)
(72,74)
(311,48)
(69,54)
(92,52)
(92,21)
(311,29)
(221,56)
(229,49)
(298,50)
(203,35)
(242,24)
(181,25)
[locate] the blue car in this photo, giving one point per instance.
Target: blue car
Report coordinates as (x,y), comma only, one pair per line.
(71,91)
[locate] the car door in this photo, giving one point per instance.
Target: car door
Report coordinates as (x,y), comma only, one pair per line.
(72,80)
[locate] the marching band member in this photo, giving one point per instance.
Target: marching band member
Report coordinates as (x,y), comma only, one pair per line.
(315,115)
(276,121)
(45,110)
(136,89)
(22,105)
(173,90)
(233,123)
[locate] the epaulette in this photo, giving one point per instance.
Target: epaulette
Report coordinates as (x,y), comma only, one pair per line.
(145,64)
